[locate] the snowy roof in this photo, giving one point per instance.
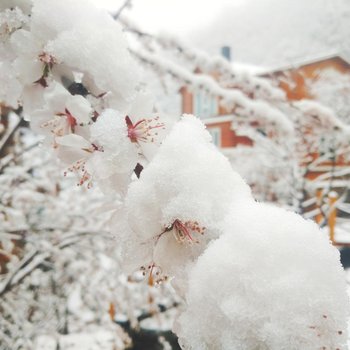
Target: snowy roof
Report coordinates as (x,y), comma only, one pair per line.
(305,62)
(249,68)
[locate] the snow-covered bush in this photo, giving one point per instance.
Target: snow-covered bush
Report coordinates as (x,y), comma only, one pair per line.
(180,211)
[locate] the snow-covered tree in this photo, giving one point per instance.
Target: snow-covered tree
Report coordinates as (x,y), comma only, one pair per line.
(60,271)
(180,212)
(290,140)
(332,89)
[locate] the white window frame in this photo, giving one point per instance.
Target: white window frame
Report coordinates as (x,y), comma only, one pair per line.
(216,135)
(205,105)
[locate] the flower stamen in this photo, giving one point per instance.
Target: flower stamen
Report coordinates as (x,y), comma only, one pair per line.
(78,167)
(60,123)
(183,231)
(71,121)
(143,130)
(49,61)
(154,274)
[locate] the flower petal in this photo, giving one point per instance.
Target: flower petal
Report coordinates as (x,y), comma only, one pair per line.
(73,140)
(80,108)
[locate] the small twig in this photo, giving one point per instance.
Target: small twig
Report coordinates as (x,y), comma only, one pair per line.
(7,283)
(127,3)
(138,169)
(162,309)
(32,261)
(8,136)
(7,161)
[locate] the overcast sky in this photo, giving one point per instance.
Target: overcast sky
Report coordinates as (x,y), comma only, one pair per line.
(260,32)
(175,16)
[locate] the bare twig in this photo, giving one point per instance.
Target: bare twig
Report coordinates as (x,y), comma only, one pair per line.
(9,135)
(5,162)
(7,283)
(127,3)
(33,260)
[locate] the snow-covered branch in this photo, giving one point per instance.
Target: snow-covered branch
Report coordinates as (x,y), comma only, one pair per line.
(187,217)
(227,74)
(230,98)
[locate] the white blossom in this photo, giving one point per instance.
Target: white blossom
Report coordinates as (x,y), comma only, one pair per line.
(176,206)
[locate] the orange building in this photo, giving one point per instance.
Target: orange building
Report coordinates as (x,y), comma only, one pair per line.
(295,79)
(298,80)
(219,121)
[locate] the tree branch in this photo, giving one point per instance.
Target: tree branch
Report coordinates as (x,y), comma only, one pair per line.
(33,260)
(127,3)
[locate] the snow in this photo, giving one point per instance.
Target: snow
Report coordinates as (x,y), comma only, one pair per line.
(45,342)
(101,340)
(11,20)
(263,168)
(230,98)
(11,88)
(241,74)
(85,49)
(119,155)
(342,230)
(163,322)
(63,16)
(322,114)
(97,340)
(299,29)
(332,89)
(180,183)
(184,215)
(269,263)
(24,5)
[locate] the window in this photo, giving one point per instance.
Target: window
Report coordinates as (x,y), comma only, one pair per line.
(205,105)
(216,135)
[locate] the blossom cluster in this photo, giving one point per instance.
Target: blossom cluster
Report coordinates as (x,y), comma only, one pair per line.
(182,212)
(86,104)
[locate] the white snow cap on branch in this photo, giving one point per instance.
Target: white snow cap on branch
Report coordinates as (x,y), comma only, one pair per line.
(230,98)
(63,38)
(271,252)
(118,156)
(24,5)
(166,44)
(182,196)
(320,114)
